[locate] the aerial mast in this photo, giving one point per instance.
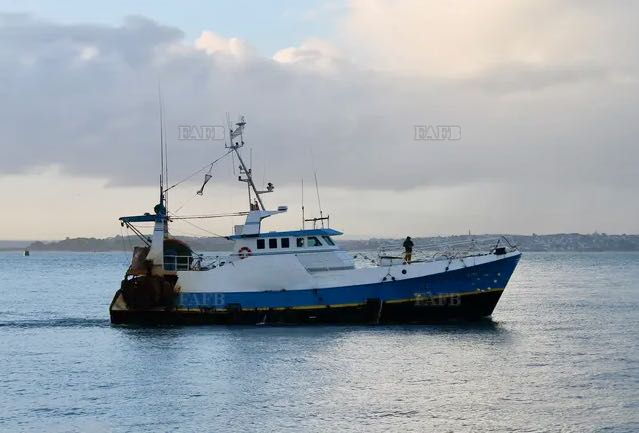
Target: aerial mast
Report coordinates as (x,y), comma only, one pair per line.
(245,171)
(321,218)
(163,155)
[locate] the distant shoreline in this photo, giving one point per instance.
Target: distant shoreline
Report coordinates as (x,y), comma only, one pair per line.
(596,242)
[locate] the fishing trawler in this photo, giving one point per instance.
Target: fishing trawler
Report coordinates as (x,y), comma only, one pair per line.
(302,276)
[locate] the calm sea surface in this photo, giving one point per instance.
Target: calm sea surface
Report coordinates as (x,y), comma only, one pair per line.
(560,354)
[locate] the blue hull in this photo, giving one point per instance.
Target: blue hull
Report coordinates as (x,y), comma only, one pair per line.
(467,293)
(490,276)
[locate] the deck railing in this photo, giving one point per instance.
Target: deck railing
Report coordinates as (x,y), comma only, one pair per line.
(455,249)
(196,262)
(387,254)
(179,263)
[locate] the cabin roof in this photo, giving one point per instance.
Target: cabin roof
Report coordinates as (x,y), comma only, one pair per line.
(147,217)
(292,233)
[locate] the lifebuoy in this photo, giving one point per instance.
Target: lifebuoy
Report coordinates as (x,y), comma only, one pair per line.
(244,252)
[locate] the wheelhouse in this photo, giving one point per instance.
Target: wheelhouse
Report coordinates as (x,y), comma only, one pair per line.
(297,241)
(315,249)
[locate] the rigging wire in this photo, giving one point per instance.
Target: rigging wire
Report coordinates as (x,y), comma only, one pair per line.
(181,232)
(198,171)
(185,203)
(203,229)
(220,215)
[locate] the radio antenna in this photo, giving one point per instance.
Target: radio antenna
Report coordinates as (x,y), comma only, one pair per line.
(162,163)
(166,154)
(319,202)
(321,218)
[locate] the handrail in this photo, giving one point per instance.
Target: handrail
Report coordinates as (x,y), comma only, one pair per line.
(179,263)
(428,252)
(195,262)
(448,249)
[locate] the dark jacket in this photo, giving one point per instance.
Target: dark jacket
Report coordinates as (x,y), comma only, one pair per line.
(408,244)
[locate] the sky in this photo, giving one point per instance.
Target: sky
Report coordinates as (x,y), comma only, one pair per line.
(540,99)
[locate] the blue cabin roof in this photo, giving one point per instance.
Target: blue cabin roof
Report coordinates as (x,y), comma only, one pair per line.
(293,233)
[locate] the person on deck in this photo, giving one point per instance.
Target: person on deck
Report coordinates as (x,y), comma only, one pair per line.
(408,249)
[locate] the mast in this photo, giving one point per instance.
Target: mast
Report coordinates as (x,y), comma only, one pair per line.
(160,227)
(244,170)
(164,170)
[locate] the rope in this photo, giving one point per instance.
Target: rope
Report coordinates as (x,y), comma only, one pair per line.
(186,202)
(204,230)
(180,231)
(197,172)
(220,215)
(379,313)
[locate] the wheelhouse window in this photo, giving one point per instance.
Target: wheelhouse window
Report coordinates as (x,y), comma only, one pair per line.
(260,244)
(328,240)
(272,243)
(300,242)
(314,242)
(284,243)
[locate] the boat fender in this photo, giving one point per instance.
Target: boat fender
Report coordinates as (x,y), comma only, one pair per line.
(244,252)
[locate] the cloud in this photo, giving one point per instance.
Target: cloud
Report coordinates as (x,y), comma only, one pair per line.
(528,77)
(212,43)
(541,98)
(462,39)
(314,55)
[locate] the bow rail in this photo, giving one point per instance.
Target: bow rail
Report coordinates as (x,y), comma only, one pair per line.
(456,249)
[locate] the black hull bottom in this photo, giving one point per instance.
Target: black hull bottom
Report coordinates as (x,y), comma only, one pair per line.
(418,311)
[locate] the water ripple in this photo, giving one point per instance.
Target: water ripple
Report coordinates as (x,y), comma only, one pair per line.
(67,322)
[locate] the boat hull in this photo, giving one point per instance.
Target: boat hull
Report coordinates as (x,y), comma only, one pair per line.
(470,306)
(464,294)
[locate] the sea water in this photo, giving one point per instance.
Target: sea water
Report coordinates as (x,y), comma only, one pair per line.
(561,353)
